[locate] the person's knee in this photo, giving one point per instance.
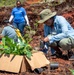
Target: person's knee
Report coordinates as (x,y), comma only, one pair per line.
(53,44)
(62,43)
(65,44)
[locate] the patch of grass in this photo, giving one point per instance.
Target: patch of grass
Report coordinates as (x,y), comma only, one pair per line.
(8,2)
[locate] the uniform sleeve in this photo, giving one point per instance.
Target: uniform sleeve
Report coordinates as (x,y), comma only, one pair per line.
(27,20)
(11,18)
(57,37)
(12,13)
(24,12)
(26,17)
(64,27)
(63,23)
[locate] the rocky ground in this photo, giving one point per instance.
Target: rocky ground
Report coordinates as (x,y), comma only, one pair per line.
(65,9)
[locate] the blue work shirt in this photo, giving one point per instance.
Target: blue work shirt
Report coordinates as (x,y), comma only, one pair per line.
(10,32)
(62,29)
(19,14)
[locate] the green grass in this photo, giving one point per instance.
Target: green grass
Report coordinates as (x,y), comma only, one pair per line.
(8,2)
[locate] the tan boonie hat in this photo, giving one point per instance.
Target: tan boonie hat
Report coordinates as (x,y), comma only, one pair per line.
(45,15)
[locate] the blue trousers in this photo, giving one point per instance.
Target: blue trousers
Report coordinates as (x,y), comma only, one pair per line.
(20,26)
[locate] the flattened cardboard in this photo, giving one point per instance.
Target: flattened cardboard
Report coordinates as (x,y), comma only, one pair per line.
(24,66)
(18,63)
(11,63)
(38,60)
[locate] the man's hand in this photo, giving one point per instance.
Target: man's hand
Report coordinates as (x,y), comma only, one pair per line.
(46,39)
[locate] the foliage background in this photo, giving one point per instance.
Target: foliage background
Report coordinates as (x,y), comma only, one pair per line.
(8,2)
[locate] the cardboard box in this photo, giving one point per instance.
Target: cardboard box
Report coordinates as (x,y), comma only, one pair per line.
(16,64)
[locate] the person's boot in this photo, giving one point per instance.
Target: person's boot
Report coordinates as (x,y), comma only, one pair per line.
(65,54)
(58,51)
(72,57)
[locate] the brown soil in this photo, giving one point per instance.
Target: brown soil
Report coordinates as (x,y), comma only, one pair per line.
(64,9)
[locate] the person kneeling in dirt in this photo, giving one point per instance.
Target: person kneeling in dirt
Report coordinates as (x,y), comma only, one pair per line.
(9,31)
(58,31)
